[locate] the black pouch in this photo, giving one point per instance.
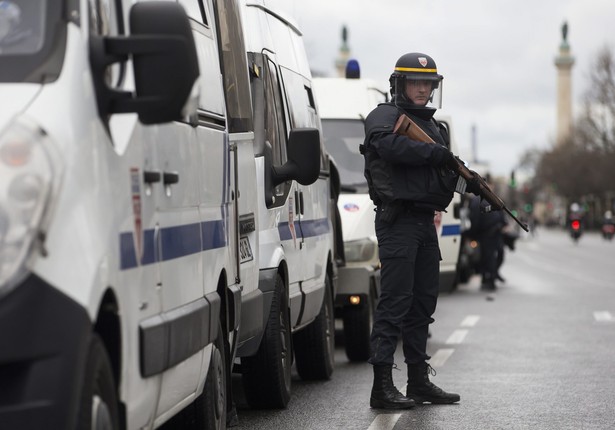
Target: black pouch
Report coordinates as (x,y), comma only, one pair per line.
(389,212)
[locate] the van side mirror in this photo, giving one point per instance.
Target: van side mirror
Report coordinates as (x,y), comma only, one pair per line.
(164,59)
(303,163)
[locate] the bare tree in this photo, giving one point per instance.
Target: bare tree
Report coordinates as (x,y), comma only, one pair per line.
(584,163)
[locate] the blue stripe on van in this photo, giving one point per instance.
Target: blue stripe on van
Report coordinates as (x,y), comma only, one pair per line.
(309,228)
(451,230)
(175,242)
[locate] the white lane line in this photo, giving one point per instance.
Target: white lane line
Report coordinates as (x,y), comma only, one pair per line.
(384,422)
(603,316)
(440,357)
(457,337)
(470,321)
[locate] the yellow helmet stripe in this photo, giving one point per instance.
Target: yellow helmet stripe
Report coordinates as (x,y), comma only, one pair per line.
(413,69)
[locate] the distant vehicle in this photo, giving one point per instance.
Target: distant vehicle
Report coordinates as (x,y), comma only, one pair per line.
(575,222)
(343,105)
(575,228)
(608,226)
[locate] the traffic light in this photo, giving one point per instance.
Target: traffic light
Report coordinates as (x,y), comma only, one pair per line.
(513,182)
(528,207)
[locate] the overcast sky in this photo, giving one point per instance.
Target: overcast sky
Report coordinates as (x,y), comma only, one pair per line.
(496,57)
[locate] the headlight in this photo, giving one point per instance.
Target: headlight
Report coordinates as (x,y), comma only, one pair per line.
(360,250)
(28,173)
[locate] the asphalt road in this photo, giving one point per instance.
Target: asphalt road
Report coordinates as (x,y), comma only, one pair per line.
(539,353)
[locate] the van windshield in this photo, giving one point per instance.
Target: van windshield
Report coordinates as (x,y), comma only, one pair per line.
(22,27)
(342,139)
(29,39)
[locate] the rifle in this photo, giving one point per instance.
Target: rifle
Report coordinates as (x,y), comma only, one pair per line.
(406,127)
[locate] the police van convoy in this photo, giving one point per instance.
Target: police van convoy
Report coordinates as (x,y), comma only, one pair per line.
(343,105)
(151,231)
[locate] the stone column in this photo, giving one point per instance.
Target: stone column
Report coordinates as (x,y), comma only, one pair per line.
(344,54)
(564,62)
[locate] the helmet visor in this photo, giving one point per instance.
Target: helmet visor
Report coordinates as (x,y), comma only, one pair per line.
(424,90)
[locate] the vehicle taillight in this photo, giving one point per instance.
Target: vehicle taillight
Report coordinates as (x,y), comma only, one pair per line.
(576,224)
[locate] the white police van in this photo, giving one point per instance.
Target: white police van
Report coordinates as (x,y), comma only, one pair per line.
(128,242)
(344,103)
(296,255)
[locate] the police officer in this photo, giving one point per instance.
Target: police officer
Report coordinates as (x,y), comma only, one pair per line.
(408,180)
(489,232)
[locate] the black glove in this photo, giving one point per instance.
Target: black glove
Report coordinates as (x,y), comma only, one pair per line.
(473,185)
(445,158)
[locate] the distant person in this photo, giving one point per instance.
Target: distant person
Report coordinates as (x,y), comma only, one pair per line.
(408,180)
(487,228)
(608,225)
(509,237)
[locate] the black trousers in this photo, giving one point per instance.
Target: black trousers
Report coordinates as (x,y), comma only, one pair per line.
(490,246)
(409,277)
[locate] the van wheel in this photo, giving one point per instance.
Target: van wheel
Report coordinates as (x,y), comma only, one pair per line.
(315,344)
(267,375)
(358,322)
(99,405)
(211,404)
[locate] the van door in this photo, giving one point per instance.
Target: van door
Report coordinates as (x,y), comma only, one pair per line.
(181,245)
(138,278)
(287,198)
(313,212)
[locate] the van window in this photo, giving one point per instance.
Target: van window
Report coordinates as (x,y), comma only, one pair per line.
(195,10)
(302,107)
(342,139)
(105,21)
(302,110)
(275,131)
(234,67)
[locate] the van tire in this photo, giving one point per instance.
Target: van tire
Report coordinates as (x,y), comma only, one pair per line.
(99,395)
(358,322)
(212,403)
(315,344)
(267,375)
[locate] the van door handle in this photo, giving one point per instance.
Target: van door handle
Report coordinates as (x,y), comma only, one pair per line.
(170,178)
(151,176)
(301,202)
(297,207)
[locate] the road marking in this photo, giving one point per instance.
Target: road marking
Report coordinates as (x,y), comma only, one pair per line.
(457,337)
(384,422)
(440,357)
(603,316)
(470,321)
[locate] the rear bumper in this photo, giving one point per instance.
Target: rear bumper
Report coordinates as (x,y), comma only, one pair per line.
(44,340)
(447,281)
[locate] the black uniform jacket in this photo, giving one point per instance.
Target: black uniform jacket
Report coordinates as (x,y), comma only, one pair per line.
(400,169)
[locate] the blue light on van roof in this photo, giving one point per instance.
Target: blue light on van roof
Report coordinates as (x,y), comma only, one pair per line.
(353,71)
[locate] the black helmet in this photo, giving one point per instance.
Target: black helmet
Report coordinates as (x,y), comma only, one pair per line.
(418,67)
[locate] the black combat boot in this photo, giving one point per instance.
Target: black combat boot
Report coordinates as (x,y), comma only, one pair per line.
(421,390)
(384,394)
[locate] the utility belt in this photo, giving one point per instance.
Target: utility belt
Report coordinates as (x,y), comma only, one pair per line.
(391,210)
